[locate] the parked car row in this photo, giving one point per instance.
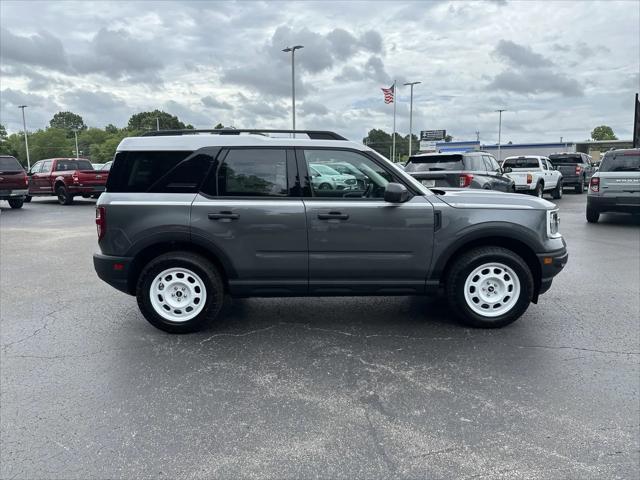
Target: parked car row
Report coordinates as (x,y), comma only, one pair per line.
(64,178)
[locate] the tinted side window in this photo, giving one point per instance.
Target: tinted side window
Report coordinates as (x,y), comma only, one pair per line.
(138,171)
(253,172)
(185,177)
(36,168)
(46,166)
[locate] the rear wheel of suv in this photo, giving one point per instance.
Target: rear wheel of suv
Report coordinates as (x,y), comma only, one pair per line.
(489,287)
(556,193)
(64,197)
(580,186)
(180,292)
(16,202)
(593,215)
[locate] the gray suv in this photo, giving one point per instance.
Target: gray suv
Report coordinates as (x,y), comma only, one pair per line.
(191,216)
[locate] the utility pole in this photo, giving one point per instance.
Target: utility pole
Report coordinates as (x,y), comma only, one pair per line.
(500,110)
(477,135)
(411,84)
(293,81)
(158,124)
(26,142)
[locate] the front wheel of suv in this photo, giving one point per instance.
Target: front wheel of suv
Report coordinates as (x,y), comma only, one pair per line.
(180,292)
(489,287)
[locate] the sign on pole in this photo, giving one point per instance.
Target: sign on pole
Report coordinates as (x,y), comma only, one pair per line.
(432,135)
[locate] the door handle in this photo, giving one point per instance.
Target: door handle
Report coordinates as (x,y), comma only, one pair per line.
(333,216)
(223,216)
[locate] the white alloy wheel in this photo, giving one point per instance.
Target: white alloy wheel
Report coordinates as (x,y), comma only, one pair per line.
(178,294)
(492,289)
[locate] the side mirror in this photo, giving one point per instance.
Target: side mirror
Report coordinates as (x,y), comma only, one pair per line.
(396,193)
(506,170)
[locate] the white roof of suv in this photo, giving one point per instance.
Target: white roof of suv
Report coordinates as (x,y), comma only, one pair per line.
(194,141)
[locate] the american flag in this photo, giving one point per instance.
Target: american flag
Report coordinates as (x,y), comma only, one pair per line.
(388,93)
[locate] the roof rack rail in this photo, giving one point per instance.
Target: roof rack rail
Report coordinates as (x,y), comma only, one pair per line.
(313,134)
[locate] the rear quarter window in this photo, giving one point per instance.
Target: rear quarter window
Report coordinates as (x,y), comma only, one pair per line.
(138,171)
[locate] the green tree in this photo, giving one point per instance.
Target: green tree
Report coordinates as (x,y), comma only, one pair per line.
(382,142)
(111,128)
(603,132)
(448,138)
(218,126)
(50,143)
(5,146)
(68,121)
(144,121)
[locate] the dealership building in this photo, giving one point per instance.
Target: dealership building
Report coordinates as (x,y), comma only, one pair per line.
(594,148)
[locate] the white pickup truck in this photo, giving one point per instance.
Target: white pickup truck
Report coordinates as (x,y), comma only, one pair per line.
(534,174)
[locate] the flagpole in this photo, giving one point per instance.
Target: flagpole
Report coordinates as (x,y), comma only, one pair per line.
(393,140)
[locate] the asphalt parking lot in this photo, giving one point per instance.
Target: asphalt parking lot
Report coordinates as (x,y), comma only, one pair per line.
(315,388)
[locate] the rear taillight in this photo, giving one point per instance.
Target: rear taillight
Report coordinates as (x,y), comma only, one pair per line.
(594,184)
(578,169)
(529,178)
(465,180)
(101,222)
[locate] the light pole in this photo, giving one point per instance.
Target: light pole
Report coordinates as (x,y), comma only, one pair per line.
(293,81)
(24,129)
(158,124)
(411,84)
(75,134)
(500,110)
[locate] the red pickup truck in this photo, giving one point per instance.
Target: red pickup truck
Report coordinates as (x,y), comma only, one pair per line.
(66,178)
(13,181)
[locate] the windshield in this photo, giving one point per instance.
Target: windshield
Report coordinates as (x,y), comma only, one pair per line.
(521,162)
(323,169)
(621,163)
(555,159)
(9,164)
(66,165)
(430,163)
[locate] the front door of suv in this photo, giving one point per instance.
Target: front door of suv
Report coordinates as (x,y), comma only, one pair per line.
(250,214)
(358,243)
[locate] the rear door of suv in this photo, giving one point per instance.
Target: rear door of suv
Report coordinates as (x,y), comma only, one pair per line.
(358,242)
(250,214)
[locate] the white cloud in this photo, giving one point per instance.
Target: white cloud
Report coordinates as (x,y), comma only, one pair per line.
(222,62)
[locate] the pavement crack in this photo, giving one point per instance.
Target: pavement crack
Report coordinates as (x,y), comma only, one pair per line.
(580,349)
(379,445)
(45,326)
(243,334)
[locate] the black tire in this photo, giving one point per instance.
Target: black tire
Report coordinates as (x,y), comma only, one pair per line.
(324,186)
(580,187)
(27,199)
(539,191)
(16,202)
(199,265)
(64,197)
(466,264)
(593,215)
(556,193)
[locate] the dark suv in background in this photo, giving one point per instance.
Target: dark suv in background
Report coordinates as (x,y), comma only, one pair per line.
(13,181)
(459,170)
(191,216)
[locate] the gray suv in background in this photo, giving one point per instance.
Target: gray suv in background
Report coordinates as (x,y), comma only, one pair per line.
(191,216)
(615,187)
(459,170)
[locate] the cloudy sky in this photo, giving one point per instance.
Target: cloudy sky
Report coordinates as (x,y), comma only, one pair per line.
(559,68)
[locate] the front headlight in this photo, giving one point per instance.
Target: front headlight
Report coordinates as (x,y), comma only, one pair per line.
(553,224)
